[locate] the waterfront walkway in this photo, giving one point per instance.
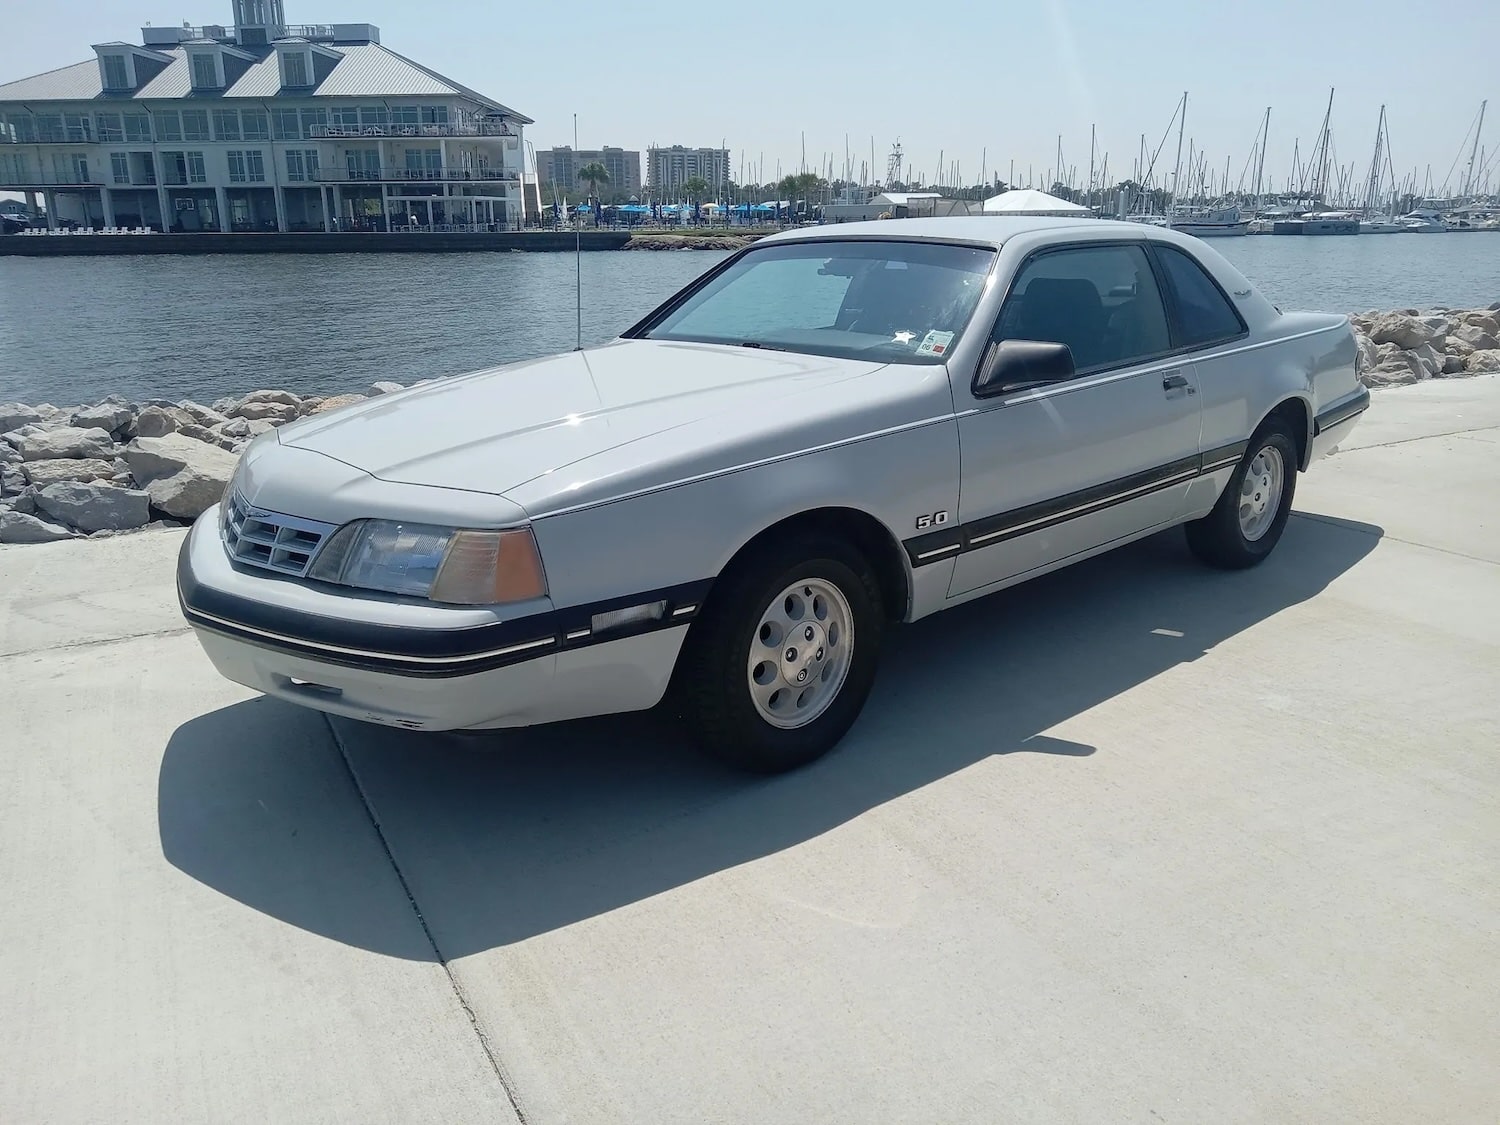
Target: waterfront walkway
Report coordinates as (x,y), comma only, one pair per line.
(1138,841)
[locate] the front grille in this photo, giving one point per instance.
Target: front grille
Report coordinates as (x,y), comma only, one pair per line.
(270,540)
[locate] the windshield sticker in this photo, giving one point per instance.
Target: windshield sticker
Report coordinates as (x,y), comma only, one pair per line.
(935,343)
(904,337)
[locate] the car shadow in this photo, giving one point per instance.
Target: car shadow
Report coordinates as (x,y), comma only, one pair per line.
(504,836)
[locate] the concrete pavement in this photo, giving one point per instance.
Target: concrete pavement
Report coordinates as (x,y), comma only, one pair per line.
(1136,841)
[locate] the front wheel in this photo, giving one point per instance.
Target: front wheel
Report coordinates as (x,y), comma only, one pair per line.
(1252,511)
(780,664)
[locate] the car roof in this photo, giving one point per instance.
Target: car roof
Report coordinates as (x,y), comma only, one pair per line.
(986,230)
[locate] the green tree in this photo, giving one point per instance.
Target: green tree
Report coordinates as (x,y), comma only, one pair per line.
(593,174)
(695,189)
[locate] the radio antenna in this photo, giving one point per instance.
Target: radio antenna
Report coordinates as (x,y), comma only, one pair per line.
(578,254)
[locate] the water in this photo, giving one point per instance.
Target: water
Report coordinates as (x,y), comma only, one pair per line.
(75,329)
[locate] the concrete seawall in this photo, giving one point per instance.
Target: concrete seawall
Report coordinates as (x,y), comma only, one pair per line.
(352,242)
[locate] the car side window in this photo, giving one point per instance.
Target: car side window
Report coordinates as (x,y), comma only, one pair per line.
(1203,315)
(1101,301)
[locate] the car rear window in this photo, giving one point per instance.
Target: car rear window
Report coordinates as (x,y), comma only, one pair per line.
(1203,314)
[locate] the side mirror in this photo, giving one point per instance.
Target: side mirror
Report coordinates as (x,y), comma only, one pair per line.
(1015,365)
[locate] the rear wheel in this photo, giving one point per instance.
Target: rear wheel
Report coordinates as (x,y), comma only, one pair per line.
(1252,511)
(780,664)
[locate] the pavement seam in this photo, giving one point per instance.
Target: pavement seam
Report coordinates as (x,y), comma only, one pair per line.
(1419,437)
(177,630)
(1382,534)
(506,1083)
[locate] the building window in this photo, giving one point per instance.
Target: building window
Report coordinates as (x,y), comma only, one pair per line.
(254,124)
(197,173)
(138,127)
(302,164)
(226,124)
(23,125)
(205,72)
(116,77)
(373,116)
(405,115)
(255,165)
(195,125)
(168,125)
(434,115)
(110,128)
(119,167)
(174,168)
(78,127)
(236,165)
(347,118)
(294,69)
(287,128)
(313,119)
(78,165)
(15,168)
(363,163)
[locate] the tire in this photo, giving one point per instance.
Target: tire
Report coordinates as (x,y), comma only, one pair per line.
(1226,539)
(716,682)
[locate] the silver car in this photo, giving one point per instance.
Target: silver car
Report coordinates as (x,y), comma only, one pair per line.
(834,430)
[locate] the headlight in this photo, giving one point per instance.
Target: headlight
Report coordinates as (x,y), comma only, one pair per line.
(442,564)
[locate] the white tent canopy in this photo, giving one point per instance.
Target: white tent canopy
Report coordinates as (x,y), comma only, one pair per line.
(1025,201)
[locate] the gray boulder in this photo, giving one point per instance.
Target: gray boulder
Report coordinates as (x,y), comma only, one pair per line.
(1397,368)
(13,416)
(204,416)
(42,473)
(69,441)
(18,527)
(158,421)
(9,454)
(12,480)
(1495,307)
(1477,337)
(1406,332)
(23,501)
(1430,358)
(334,402)
(281,398)
(1453,365)
(1369,351)
(95,507)
(184,477)
(111,416)
(267,411)
(233,428)
(1482,362)
(1484,320)
(384,387)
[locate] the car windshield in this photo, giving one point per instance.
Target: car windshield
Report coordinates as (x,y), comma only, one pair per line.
(900,302)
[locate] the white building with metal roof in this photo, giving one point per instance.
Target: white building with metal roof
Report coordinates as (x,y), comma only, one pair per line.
(260,126)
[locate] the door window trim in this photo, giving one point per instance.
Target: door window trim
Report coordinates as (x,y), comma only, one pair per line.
(1093,372)
(1174,313)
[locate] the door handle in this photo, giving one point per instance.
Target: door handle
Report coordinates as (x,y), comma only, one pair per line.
(1175,381)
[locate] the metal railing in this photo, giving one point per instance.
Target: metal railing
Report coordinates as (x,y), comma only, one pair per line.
(414,175)
(479,129)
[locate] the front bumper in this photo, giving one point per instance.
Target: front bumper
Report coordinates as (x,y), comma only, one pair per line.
(422,667)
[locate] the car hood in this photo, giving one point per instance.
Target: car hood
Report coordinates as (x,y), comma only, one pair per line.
(571,423)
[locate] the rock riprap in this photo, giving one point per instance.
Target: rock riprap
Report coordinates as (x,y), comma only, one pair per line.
(116,466)
(1409,346)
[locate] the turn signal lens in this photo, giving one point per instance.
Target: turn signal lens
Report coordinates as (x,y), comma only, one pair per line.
(490,567)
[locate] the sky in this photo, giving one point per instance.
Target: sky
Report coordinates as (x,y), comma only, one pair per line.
(981,85)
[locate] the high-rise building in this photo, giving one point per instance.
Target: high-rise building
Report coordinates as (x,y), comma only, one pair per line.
(559,167)
(670,168)
(259,126)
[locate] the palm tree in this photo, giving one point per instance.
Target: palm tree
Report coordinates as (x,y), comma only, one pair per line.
(695,189)
(593,174)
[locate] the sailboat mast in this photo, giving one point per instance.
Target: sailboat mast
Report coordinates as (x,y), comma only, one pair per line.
(1474,151)
(1260,162)
(1181,126)
(1089,199)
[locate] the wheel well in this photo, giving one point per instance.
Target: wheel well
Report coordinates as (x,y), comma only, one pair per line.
(1293,412)
(861,529)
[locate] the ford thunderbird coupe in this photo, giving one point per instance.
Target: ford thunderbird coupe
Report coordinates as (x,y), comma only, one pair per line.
(724,509)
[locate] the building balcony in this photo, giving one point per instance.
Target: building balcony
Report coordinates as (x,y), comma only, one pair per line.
(49,139)
(481,129)
(414,175)
(35,183)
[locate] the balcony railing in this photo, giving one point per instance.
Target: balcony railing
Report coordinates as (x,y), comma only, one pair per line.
(49,180)
(414,175)
(479,129)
